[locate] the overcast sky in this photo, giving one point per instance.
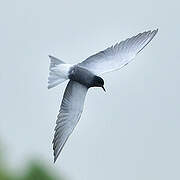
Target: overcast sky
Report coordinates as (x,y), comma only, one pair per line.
(129,132)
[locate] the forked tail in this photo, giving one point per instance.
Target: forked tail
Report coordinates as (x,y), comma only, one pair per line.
(58,72)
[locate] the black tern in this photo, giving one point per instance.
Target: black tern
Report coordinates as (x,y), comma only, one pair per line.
(85,75)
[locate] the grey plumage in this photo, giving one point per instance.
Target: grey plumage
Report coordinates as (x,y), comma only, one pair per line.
(85,75)
(81,75)
(69,114)
(119,55)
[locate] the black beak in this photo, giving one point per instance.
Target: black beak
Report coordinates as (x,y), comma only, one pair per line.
(103,88)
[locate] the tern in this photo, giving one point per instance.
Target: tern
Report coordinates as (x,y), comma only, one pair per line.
(85,75)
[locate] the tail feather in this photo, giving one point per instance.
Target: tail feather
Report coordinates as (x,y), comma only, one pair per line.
(55,61)
(58,72)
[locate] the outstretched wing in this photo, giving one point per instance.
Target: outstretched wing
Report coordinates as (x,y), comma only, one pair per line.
(69,114)
(119,55)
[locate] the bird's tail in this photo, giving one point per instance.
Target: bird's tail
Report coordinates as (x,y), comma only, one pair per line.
(58,72)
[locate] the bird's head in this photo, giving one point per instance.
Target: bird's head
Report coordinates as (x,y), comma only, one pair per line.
(98,82)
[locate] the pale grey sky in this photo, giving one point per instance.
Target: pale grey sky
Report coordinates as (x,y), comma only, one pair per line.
(129,132)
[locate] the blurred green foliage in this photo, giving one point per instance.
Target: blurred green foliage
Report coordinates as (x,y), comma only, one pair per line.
(33,171)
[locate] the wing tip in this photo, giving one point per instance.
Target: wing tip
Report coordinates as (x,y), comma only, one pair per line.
(56,154)
(157,29)
(154,32)
(55,159)
(150,34)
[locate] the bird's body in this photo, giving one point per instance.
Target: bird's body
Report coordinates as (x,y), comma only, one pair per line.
(82,75)
(85,75)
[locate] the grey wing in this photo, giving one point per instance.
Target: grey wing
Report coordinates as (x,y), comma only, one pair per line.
(69,114)
(117,56)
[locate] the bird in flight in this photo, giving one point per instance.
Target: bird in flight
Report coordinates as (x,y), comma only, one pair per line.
(85,75)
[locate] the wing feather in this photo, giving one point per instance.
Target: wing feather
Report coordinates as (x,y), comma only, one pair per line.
(69,114)
(119,55)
